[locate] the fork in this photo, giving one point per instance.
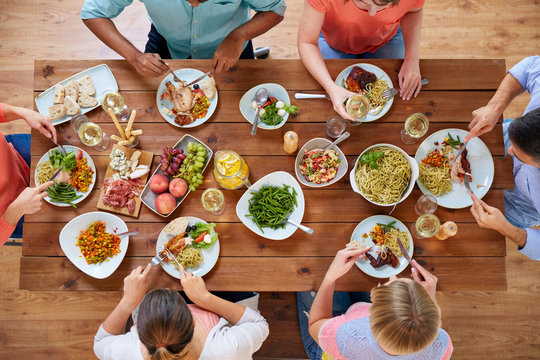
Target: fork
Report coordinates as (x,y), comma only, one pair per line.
(61,146)
(175,78)
(467,185)
(157,259)
(388,93)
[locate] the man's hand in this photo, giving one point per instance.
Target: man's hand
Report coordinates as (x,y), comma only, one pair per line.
(228,53)
(135,286)
(487,216)
(484,120)
(410,81)
(148,64)
(28,202)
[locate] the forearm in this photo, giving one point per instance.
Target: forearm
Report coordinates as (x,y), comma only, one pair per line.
(228,310)
(115,323)
(313,61)
(14,112)
(514,233)
(13,214)
(322,305)
(506,92)
(106,31)
(260,23)
(411,27)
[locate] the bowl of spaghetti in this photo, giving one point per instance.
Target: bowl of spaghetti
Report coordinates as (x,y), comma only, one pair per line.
(384,174)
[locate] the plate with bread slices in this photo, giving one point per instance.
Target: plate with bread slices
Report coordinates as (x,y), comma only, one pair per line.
(187,106)
(77,94)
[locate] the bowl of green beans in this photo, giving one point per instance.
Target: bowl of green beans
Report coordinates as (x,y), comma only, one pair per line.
(265,207)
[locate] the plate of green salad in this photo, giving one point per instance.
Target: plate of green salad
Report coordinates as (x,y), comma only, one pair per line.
(274,113)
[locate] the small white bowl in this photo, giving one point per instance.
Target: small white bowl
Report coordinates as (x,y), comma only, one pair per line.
(278,178)
(274,90)
(414,174)
(319,143)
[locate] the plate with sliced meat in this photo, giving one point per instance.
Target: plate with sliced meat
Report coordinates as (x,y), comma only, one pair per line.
(193,242)
(371,81)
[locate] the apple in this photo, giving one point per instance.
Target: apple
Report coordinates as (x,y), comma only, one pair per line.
(165,203)
(178,187)
(159,183)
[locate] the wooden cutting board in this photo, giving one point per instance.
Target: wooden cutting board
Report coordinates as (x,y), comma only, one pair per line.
(145,159)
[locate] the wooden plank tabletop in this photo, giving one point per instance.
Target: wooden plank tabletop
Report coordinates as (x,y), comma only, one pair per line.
(472,260)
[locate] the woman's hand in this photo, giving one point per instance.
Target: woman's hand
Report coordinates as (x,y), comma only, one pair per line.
(410,81)
(343,262)
(339,95)
(429,281)
(38,122)
(194,288)
(135,286)
(28,202)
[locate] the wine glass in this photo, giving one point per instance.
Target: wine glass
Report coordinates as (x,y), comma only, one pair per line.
(112,99)
(90,133)
(213,201)
(426,226)
(416,126)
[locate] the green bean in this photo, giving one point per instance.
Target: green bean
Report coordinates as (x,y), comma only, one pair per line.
(270,206)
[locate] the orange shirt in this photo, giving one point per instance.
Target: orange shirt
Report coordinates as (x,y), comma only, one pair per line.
(14,178)
(353,31)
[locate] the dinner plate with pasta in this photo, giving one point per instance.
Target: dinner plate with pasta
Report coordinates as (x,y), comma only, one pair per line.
(371,81)
(442,176)
(193,242)
(74,183)
(380,232)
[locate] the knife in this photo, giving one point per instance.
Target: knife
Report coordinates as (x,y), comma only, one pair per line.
(56,173)
(174,258)
(460,151)
(406,255)
(199,78)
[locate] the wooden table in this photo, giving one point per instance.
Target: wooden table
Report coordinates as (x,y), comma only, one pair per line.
(472,260)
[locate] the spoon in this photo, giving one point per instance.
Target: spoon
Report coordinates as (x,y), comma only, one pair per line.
(261,96)
(343,136)
(301,227)
(134,232)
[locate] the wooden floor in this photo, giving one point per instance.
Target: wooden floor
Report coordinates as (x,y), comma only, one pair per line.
(483,325)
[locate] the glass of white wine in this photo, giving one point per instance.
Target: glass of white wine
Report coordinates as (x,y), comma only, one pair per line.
(416,126)
(112,99)
(426,226)
(213,201)
(90,133)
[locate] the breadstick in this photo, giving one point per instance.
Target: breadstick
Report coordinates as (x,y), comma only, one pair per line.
(131,120)
(116,123)
(131,139)
(136,132)
(124,142)
(117,138)
(128,133)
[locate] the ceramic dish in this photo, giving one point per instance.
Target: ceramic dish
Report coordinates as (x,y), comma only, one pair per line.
(482,169)
(364,228)
(414,175)
(319,143)
(149,198)
(380,75)
(210,255)
(103,80)
(274,90)
(184,75)
(70,234)
(278,178)
(69,148)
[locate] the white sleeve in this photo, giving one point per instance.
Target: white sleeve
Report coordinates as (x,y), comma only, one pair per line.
(115,347)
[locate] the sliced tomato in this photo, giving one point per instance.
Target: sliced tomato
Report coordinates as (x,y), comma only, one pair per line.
(200,237)
(198,92)
(79,155)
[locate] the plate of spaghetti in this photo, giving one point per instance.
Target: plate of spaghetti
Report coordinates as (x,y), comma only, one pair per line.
(193,242)
(371,81)
(380,232)
(441,176)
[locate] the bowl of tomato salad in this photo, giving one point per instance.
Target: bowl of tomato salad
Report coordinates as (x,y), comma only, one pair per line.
(317,167)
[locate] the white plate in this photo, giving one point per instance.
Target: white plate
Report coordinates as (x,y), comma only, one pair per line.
(75,149)
(482,169)
(414,174)
(210,255)
(278,178)
(364,228)
(187,75)
(380,75)
(319,143)
(274,90)
(103,79)
(70,234)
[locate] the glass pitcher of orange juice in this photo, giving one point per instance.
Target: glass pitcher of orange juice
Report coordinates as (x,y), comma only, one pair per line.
(230,170)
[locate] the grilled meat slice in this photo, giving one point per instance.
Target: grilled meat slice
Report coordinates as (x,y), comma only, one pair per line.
(358,79)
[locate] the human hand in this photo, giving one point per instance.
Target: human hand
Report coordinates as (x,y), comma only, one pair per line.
(194,287)
(339,95)
(410,81)
(424,278)
(28,202)
(484,120)
(38,122)
(487,216)
(227,53)
(148,64)
(135,286)
(343,261)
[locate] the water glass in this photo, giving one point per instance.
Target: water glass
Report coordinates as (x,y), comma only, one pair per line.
(335,127)
(426,204)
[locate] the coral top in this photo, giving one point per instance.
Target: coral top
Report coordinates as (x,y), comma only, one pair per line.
(353,30)
(14,178)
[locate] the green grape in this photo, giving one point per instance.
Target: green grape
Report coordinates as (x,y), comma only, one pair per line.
(199,175)
(198,164)
(190,156)
(190,146)
(199,181)
(201,159)
(192,188)
(193,179)
(190,168)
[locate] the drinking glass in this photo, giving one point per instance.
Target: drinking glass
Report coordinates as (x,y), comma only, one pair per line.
(230,170)
(416,126)
(112,99)
(335,127)
(90,133)
(426,204)
(358,107)
(213,201)
(426,226)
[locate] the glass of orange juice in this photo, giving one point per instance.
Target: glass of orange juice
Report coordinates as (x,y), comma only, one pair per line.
(230,170)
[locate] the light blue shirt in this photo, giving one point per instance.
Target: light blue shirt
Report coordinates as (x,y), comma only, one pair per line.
(522,205)
(189,31)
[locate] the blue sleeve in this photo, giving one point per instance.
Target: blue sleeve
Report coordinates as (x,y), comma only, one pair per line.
(277,6)
(532,247)
(522,69)
(103,8)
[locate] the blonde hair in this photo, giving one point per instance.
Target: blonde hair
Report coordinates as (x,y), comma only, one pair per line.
(403,318)
(164,324)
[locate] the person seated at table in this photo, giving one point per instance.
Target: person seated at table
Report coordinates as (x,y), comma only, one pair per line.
(522,142)
(187,29)
(16,197)
(404,318)
(366,29)
(165,327)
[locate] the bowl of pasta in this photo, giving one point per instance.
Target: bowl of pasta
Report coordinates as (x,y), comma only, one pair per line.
(384,174)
